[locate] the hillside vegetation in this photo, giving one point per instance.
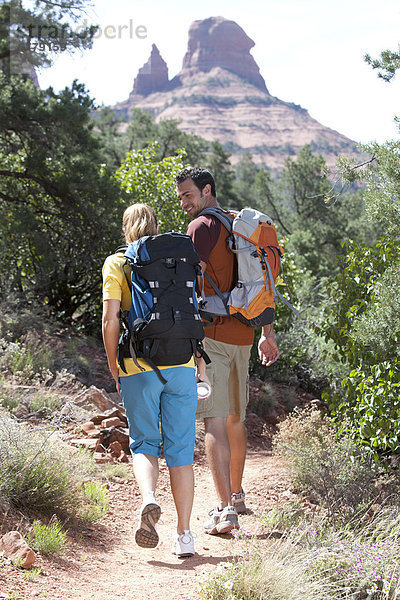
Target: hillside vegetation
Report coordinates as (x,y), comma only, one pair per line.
(67,172)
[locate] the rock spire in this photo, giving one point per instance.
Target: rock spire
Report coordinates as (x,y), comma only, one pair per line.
(153,76)
(219,42)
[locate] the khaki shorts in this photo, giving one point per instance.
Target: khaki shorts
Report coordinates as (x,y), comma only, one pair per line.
(229,377)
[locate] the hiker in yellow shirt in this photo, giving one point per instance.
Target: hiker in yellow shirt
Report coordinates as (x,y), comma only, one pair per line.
(147,401)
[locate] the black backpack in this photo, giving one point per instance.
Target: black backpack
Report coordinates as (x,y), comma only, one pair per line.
(163,325)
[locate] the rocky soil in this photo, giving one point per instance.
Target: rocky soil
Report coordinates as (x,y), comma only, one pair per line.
(102,560)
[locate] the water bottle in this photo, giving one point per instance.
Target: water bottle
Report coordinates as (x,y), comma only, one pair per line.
(203,390)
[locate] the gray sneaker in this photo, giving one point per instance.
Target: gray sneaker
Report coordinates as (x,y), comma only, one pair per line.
(222,521)
(238,501)
(146,535)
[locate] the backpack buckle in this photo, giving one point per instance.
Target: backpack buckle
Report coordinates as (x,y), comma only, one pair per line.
(169,262)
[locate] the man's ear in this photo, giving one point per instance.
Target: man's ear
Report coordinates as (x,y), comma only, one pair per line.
(207,189)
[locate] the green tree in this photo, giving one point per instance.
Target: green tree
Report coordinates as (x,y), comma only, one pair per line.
(170,139)
(55,198)
(24,25)
(389,63)
(117,139)
(253,187)
(244,186)
(219,165)
(107,128)
(364,322)
(314,219)
(53,190)
(146,178)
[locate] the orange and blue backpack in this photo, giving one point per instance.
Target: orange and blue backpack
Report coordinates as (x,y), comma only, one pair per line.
(253,239)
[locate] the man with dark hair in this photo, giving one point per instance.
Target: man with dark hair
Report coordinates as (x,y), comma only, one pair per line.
(228,343)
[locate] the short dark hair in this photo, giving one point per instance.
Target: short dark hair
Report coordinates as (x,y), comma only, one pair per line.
(200,177)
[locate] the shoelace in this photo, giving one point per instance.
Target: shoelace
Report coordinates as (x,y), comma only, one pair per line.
(213,510)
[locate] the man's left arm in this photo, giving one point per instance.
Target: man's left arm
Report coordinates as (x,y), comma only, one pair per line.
(268,351)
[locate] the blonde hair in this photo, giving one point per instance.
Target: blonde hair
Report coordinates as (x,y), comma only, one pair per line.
(138,220)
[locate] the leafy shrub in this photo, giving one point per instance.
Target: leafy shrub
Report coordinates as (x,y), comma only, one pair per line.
(26,359)
(290,514)
(265,403)
(354,293)
(8,398)
(72,360)
(369,398)
(48,539)
(18,317)
(96,501)
(371,406)
(34,345)
(332,469)
(39,470)
(45,405)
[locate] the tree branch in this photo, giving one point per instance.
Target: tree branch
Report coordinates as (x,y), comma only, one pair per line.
(278,218)
(47,186)
(366,162)
(8,198)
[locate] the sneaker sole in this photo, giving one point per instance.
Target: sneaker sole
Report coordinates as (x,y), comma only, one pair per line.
(184,555)
(146,536)
(212,531)
(226,526)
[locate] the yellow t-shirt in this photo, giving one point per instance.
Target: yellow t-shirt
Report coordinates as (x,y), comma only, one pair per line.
(115,287)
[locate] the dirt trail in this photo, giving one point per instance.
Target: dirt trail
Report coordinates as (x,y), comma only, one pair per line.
(103,562)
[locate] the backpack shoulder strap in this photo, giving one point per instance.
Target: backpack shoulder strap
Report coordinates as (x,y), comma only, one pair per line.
(225,218)
(120,249)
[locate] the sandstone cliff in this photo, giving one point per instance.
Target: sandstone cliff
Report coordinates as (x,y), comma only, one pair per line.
(220,95)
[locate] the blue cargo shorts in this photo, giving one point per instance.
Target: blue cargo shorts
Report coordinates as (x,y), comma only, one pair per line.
(162,415)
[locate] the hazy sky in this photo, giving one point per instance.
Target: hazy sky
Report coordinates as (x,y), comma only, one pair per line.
(309,52)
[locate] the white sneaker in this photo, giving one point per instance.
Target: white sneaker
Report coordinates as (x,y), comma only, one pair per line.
(183,545)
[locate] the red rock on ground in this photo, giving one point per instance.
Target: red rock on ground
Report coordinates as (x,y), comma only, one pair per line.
(14,547)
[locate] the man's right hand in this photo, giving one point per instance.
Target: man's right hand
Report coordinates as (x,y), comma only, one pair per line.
(268,351)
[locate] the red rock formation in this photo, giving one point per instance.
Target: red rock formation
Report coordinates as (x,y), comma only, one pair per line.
(153,76)
(218,42)
(220,95)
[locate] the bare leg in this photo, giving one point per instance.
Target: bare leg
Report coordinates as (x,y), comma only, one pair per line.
(237,436)
(182,486)
(219,455)
(145,468)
